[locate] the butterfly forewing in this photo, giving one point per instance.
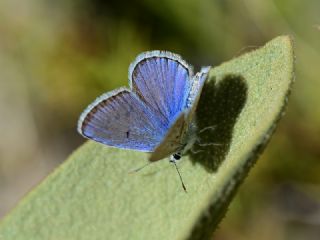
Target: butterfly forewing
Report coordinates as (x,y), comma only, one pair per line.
(162,81)
(172,142)
(120,119)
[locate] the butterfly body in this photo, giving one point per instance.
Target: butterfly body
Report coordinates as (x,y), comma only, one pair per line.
(156,114)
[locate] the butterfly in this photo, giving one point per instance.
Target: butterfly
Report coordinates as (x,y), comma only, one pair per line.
(156,114)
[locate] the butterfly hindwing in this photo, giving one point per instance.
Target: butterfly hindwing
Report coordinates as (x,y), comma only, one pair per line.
(171,142)
(195,92)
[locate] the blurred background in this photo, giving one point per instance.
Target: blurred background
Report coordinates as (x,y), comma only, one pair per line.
(57,56)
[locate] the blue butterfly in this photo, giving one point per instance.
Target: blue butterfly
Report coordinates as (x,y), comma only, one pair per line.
(157,113)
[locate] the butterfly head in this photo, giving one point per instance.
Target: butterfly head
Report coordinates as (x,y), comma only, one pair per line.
(175,157)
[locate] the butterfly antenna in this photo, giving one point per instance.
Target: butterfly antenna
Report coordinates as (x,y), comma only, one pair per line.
(184,187)
(140,168)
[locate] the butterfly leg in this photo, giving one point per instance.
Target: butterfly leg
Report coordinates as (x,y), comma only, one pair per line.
(196,151)
(208,144)
(207,128)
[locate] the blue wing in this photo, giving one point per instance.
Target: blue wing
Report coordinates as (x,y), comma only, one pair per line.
(120,119)
(177,138)
(162,81)
(195,92)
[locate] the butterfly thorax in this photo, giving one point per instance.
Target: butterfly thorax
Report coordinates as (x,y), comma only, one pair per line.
(186,142)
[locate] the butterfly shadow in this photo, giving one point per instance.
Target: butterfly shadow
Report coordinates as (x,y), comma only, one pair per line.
(218,109)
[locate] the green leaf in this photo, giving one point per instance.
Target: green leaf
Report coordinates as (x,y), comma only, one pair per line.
(92,196)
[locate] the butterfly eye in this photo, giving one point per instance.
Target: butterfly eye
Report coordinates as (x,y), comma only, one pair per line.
(177,156)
